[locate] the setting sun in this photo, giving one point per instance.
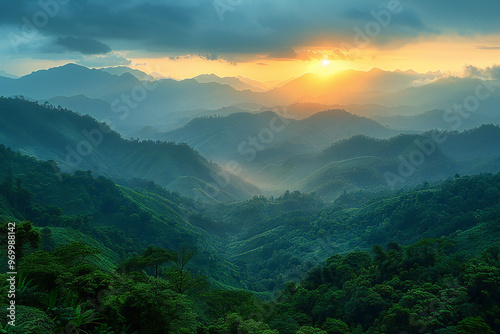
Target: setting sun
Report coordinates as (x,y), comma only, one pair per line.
(325,62)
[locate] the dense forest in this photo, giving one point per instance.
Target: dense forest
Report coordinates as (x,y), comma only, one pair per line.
(112,256)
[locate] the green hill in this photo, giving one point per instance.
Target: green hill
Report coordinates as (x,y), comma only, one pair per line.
(96,235)
(80,142)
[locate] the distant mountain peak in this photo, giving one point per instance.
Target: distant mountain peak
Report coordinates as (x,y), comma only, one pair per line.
(70,67)
(8,75)
(207,76)
(330,113)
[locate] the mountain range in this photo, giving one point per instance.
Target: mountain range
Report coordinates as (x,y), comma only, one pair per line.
(78,142)
(167,103)
(223,138)
(328,153)
(436,119)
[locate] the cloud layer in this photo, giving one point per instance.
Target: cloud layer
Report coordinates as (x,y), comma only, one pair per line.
(83,45)
(253,27)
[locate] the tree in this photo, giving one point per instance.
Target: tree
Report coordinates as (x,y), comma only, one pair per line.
(310,330)
(473,325)
(335,326)
(153,308)
(179,276)
(25,236)
(153,257)
(156,257)
(74,253)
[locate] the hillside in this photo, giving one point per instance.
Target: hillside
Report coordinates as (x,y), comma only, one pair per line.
(224,138)
(143,102)
(361,162)
(435,119)
(234,82)
(80,142)
(119,70)
(100,234)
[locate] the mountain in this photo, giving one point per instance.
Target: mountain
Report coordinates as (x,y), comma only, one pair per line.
(447,92)
(361,162)
(80,142)
(302,110)
(292,260)
(119,70)
(137,103)
(373,111)
(228,138)
(404,93)
(264,85)
(480,143)
(435,119)
(376,112)
(176,120)
(105,112)
(345,84)
(68,80)
(98,109)
(357,163)
(236,83)
(242,83)
(8,75)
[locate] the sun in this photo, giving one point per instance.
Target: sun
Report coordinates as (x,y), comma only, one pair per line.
(325,62)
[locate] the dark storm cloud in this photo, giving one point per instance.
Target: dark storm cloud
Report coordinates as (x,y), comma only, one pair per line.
(86,46)
(253,27)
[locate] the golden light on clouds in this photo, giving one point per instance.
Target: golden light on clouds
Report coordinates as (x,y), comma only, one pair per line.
(446,53)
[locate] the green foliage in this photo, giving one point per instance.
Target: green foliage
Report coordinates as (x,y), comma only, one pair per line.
(25,236)
(310,330)
(153,308)
(335,326)
(139,258)
(415,288)
(29,320)
(473,326)
(180,278)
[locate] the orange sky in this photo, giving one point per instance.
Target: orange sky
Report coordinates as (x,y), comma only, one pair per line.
(445,53)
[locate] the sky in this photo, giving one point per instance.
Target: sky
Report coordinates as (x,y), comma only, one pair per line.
(259,39)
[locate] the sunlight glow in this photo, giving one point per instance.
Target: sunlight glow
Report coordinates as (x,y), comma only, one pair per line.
(325,62)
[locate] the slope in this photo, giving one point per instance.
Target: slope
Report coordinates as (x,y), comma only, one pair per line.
(80,142)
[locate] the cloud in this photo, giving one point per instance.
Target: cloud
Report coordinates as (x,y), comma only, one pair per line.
(86,46)
(209,56)
(204,56)
(256,27)
(488,48)
(425,81)
(308,55)
(112,59)
(488,73)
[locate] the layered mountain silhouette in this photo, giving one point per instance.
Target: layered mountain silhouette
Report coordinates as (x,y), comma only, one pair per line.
(78,142)
(167,103)
(230,137)
(436,119)
(234,82)
(119,70)
(348,83)
(362,162)
(144,102)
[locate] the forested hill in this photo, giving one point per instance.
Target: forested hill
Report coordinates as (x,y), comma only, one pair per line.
(80,142)
(113,259)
